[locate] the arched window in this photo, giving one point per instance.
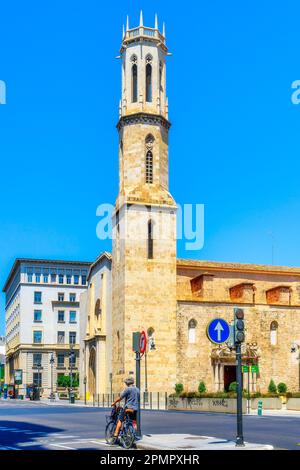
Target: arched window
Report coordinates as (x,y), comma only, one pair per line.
(98,308)
(160,75)
(149,141)
(148,78)
(151,339)
(134,80)
(273,333)
(192,331)
(150,239)
(149,167)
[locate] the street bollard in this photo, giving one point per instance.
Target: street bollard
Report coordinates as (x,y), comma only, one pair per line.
(259,408)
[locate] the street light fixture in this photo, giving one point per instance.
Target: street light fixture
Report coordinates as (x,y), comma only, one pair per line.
(51,364)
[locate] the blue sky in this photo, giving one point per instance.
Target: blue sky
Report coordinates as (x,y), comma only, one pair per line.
(234,141)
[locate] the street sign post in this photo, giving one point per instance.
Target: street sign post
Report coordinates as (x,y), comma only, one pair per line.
(218,331)
(239,337)
(139,344)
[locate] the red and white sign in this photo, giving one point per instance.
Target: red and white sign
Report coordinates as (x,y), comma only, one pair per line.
(143,342)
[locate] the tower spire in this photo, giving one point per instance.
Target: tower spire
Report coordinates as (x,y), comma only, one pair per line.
(127,23)
(123,32)
(141,18)
(156,22)
(164,30)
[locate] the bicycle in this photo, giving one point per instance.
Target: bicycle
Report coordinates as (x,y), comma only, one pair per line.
(127,434)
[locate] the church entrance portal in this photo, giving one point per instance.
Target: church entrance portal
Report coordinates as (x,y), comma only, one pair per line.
(229,376)
(92,372)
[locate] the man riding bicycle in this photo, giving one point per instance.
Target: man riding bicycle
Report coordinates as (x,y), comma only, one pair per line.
(132,396)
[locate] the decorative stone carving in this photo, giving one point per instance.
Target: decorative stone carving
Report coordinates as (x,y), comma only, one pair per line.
(250,353)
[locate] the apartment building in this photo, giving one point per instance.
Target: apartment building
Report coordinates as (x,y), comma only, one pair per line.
(42,320)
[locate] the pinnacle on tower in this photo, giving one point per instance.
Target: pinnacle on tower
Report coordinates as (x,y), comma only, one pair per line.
(127,23)
(141,18)
(156,22)
(164,30)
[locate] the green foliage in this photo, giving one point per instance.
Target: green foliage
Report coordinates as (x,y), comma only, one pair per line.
(201,387)
(64,380)
(232,387)
(178,389)
(272,387)
(281,387)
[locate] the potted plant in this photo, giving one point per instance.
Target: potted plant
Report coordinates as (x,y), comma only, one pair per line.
(282,389)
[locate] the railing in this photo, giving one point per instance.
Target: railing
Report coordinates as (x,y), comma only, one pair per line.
(149,400)
(142,31)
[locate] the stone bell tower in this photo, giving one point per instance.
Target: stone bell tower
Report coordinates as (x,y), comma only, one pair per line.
(144,222)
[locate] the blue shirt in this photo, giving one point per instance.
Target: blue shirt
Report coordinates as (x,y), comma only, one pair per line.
(131,395)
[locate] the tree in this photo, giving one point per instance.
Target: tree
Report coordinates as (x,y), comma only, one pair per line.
(272,387)
(178,389)
(232,387)
(201,387)
(281,387)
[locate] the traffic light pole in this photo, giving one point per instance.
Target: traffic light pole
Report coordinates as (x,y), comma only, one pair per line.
(239,390)
(138,384)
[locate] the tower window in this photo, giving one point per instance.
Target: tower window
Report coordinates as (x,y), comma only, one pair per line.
(273,333)
(150,239)
(134,79)
(160,75)
(192,331)
(149,82)
(149,167)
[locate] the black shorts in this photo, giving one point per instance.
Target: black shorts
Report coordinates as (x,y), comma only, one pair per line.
(128,411)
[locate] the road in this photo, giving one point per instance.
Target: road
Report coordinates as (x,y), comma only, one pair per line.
(31,426)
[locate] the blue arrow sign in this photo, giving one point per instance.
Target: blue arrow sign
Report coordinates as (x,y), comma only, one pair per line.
(218,331)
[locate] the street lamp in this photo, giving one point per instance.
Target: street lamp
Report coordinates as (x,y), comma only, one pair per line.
(51,364)
(71,358)
(294,348)
(39,367)
(84,381)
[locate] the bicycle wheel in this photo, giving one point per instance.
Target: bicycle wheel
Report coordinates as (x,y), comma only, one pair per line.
(109,432)
(127,435)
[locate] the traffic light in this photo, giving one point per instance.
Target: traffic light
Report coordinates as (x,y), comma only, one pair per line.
(239,326)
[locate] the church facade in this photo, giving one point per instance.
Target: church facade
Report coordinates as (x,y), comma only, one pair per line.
(143,286)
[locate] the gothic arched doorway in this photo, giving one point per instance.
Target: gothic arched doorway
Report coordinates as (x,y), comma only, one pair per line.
(92,372)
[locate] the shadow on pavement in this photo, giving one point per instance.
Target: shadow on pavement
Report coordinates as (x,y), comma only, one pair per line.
(22,435)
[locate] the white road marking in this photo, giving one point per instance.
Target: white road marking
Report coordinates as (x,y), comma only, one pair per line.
(65,437)
(62,446)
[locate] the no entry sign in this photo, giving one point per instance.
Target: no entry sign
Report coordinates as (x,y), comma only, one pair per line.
(143,342)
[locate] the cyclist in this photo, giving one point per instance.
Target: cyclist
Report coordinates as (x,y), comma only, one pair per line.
(131,394)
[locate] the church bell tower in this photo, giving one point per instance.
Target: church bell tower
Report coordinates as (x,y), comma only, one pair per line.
(144,222)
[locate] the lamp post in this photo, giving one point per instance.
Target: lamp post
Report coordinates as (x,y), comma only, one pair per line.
(294,348)
(84,381)
(51,364)
(146,399)
(71,357)
(39,366)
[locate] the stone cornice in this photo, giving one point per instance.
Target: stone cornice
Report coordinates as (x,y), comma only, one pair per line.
(143,118)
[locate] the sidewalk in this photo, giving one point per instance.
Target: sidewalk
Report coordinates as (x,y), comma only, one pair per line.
(192,442)
(47,402)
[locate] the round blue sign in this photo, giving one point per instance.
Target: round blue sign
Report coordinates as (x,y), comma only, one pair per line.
(218,331)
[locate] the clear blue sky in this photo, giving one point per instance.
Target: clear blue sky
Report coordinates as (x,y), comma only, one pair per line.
(234,142)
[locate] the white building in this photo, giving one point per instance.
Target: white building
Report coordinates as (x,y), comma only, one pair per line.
(96,330)
(42,319)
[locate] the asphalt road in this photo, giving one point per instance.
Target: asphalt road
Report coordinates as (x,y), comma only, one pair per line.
(31,426)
